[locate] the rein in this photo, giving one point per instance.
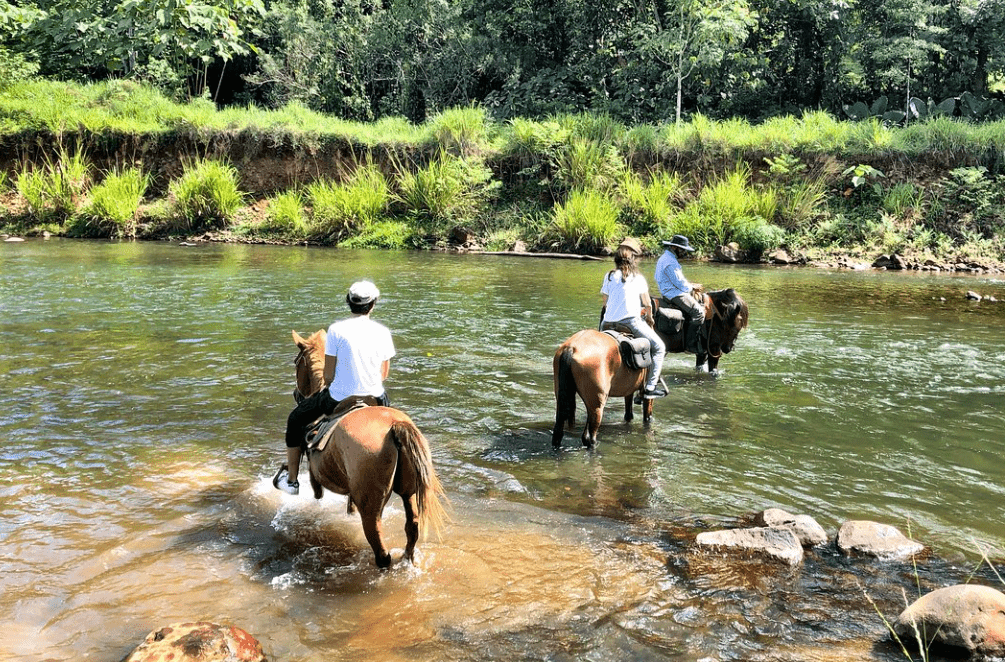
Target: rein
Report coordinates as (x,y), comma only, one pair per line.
(708,337)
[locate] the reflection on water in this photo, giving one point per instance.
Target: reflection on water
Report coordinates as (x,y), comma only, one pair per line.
(144,388)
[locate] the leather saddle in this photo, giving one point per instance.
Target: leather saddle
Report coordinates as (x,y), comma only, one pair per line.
(320,431)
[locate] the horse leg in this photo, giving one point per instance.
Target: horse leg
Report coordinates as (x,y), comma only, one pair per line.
(411,505)
(713,363)
(370,512)
(700,359)
(594,414)
(647,410)
(629,412)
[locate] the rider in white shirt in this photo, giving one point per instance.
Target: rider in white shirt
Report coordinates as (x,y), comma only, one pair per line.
(358,354)
(676,289)
(627,301)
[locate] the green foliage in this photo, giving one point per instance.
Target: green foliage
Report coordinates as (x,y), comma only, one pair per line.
(587,220)
(392,235)
(463,131)
(338,208)
(205,196)
(903,199)
(974,202)
(55,190)
(448,188)
(648,205)
(111,210)
(285,214)
(758,236)
(587,164)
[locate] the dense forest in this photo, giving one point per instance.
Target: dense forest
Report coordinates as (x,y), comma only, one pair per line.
(638,61)
(827,128)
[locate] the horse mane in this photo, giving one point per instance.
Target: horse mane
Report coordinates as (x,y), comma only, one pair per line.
(313,351)
(730,305)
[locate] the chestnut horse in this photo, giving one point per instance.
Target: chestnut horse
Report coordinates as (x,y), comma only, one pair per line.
(589,364)
(370,453)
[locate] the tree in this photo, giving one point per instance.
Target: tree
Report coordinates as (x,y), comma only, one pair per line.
(693,33)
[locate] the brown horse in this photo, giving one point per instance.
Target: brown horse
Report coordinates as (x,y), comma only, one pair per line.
(370,453)
(589,364)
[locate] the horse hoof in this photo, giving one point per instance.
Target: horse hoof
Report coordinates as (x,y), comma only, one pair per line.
(384,561)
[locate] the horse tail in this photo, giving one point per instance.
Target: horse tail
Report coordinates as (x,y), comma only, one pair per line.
(565,394)
(413,445)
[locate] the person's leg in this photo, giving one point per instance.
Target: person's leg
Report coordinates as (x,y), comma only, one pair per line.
(643,330)
(695,313)
(305,413)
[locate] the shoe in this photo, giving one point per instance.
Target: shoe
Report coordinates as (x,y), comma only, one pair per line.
(651,394)
(281,481)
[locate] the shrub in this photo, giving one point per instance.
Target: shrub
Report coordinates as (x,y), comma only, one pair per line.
(57,188)
(448,188)
(337,208)
(587,220)
(111,211)
(650,204)
(587,164)
(285,214)
(205,196)
(383,234)
(463,129)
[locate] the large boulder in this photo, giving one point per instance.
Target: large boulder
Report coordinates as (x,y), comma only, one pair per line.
(874,539)
(777,543)
(731,253)
(198,642)
(809,533)
(964,616)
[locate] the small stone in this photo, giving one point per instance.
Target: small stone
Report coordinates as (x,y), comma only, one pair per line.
(973,296)
(809,533)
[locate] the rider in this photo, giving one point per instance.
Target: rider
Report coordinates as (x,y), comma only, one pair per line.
(358,353)
(676,289)
(626,301)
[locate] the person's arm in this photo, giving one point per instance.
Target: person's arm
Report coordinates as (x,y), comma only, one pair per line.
(385,368)
(330,362)
(647,303)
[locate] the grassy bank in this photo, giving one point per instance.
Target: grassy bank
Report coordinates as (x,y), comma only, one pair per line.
(118,160)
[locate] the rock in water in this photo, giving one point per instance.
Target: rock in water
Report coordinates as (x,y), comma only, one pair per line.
(198,642)
(874,539)
(775,542)
(809,533)
(963,616)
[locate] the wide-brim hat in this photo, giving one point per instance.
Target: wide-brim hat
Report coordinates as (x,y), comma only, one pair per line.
(631,243)
(679,241)
(363,292)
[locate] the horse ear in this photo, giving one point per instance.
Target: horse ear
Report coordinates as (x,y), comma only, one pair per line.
(298,340)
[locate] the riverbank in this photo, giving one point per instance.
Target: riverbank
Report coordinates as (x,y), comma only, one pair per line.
(117,160)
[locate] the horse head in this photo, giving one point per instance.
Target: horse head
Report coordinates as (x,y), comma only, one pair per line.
(730,316)
(310,364)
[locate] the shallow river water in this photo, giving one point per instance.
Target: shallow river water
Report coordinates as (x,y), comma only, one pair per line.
(144,388)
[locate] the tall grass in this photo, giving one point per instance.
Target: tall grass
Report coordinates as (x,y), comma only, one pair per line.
(113,205)
(588,164)
(56,189)
(464,130)
(587,220)
(285,214)
(448,188)
(649,204)
(205,196)
(337,208)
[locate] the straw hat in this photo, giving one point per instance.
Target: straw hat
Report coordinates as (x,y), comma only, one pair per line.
(631,243)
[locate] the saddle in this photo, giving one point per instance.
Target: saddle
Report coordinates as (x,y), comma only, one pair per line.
(636,353)
(319,432)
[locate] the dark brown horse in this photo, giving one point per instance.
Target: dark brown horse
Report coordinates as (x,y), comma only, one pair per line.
(589,364)
(370,453)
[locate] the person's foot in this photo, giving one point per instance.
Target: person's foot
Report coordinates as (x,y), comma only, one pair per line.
(281,481)
(653,393)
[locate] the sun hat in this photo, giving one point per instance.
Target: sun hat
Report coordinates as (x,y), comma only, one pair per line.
(679,241)
(631,243)
(363,292)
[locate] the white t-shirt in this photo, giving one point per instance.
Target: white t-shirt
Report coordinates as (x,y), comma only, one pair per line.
(624,299)
(361,345)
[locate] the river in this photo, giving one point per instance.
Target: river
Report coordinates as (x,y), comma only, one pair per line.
(144,388)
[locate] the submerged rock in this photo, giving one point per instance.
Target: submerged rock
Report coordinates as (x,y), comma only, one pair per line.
(963,616)
(198,641)
(776,542)
(809,533)
(874,539)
